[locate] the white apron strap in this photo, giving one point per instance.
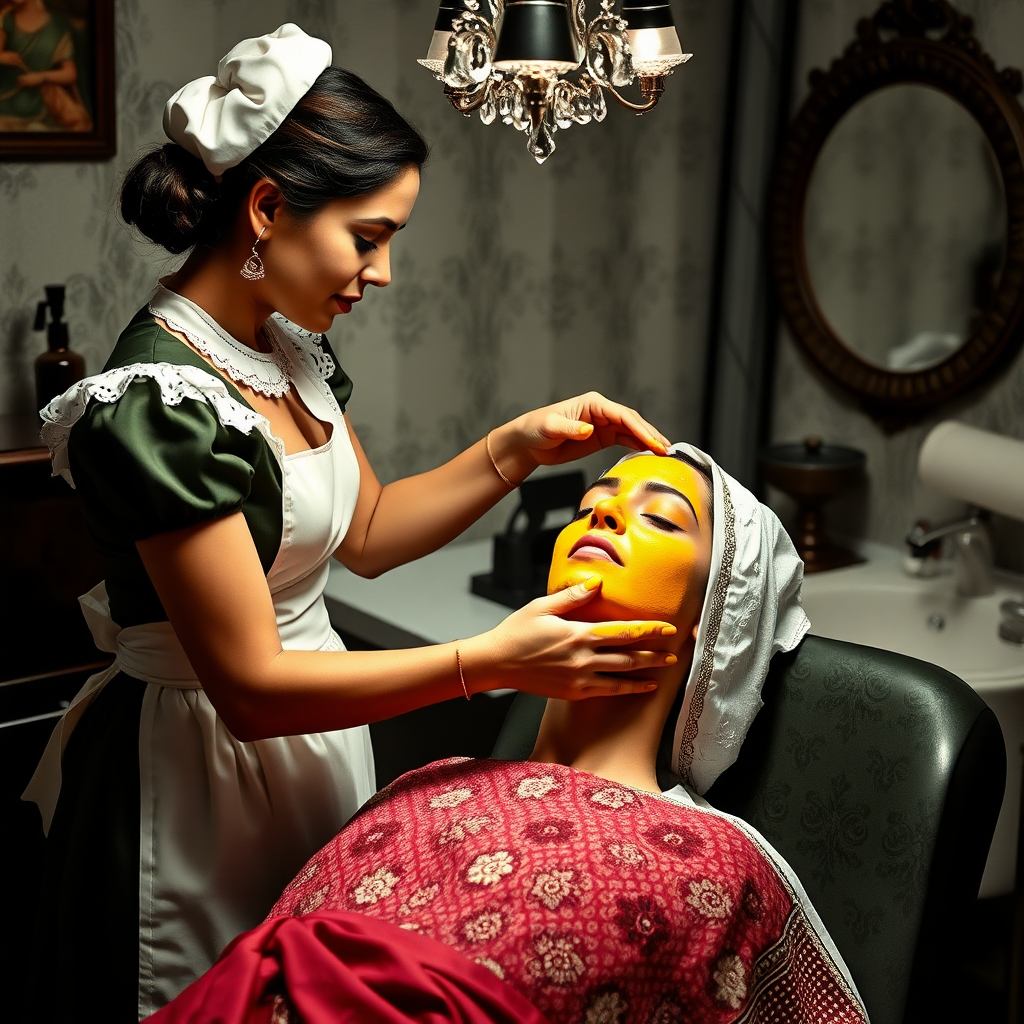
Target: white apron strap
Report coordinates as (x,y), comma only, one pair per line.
(150,652)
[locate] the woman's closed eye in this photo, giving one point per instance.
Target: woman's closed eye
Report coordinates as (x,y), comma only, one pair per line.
(364,245)
(582,514)
(662,523)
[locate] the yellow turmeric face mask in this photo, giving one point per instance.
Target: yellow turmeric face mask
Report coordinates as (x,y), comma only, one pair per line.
(645,530)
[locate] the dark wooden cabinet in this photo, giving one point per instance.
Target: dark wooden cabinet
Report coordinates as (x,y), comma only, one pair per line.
(46,561)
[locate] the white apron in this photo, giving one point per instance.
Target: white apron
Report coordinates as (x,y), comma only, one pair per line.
(224,824)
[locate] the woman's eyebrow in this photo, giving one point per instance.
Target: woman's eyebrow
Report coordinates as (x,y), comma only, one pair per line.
(385,221)
(610,483)
(653,487)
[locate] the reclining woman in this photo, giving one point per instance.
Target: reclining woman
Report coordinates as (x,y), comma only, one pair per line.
(592,880)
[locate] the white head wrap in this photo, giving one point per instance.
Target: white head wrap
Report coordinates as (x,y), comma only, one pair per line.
(223,118)
(751,611)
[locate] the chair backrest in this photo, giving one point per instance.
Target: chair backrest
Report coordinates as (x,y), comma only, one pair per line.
(879,778)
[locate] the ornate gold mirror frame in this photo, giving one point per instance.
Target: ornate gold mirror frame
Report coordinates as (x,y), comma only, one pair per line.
(924,42)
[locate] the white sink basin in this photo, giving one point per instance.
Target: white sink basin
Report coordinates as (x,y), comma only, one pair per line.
(877,604)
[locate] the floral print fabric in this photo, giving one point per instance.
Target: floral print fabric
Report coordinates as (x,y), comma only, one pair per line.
(598,903)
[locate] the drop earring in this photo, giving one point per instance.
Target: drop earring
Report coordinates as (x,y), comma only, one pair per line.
(252,269)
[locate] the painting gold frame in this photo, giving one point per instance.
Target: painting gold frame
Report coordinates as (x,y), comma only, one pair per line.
(67,121)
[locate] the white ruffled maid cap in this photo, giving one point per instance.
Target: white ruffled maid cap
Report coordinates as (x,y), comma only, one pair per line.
(223,118)
(751,611)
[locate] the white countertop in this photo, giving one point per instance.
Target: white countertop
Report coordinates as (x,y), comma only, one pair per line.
(425,602)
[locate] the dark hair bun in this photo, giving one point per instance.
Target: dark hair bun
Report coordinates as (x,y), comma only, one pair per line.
(342,139)
(170,196)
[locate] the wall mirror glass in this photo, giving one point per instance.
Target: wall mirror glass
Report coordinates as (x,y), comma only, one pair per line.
(897,212)
(905,227)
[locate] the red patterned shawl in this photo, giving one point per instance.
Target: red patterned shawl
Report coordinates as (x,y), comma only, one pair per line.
(598,903)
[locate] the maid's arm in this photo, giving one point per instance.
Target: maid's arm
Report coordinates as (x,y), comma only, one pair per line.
(410,518)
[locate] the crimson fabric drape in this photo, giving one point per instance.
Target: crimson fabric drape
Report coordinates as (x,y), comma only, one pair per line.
(337,967)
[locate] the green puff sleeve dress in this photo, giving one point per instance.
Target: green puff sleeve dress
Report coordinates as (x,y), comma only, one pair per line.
(166,835)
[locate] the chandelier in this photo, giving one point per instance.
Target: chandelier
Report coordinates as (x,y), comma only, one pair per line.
(539,66)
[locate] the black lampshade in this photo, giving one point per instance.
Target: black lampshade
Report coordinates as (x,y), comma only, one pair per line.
(647,14)
(651,32)
(536,31)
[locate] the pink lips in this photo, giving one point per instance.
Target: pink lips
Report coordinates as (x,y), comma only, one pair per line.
(345,304)
(593,546)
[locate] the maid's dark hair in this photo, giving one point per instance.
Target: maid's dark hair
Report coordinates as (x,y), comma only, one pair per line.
(343,139)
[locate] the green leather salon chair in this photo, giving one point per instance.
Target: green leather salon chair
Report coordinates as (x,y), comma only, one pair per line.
(879,778)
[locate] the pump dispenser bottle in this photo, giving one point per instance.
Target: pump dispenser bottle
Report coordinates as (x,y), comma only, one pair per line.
(58,367)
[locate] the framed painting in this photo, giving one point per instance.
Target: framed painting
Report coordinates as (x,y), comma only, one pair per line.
(57,80)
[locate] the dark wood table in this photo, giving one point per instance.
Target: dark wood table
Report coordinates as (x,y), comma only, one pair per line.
(19,440)
(46,653)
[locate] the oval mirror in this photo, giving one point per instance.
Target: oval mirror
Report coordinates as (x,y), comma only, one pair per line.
(905,227)
(897,213)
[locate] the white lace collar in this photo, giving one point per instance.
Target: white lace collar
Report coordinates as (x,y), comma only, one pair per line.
(264,372)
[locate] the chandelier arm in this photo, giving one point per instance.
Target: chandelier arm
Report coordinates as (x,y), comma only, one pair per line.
(651,88)
(578,11)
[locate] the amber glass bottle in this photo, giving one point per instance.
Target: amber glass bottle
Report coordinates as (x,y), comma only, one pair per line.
(58,367)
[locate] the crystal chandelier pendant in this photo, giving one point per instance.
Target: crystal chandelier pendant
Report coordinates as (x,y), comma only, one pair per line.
(489,108)
(506,97)
(540,67)
(561,104)
(542,143)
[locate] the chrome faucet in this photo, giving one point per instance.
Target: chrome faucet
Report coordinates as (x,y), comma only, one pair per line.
(1012,626)
(972,552)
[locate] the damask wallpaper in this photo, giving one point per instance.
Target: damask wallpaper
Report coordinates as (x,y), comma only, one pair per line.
(513,285)
(850,259)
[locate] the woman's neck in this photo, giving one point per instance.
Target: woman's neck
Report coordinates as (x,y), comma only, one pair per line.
(31,16)
(615,738)
(210,278)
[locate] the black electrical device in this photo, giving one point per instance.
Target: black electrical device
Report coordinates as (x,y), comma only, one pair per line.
(522,554)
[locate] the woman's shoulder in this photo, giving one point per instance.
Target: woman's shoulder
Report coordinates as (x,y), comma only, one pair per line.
(144,341)
(154,390)
(145,350)
(173,372)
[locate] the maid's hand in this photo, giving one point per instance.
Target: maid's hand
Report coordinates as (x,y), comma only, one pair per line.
(538,651)
(570,430)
